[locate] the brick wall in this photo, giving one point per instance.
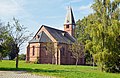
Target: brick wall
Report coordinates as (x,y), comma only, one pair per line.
(45,57)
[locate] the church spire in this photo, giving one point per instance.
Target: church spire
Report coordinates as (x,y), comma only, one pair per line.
(69,24)
(69,19)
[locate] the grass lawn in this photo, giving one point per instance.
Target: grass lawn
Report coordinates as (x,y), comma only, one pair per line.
(59,71)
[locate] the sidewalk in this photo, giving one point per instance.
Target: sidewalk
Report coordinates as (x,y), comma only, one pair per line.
(19,74)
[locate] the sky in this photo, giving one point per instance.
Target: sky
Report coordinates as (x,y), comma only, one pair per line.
(34,13)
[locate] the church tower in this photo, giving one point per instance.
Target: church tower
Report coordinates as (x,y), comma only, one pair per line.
(69,24)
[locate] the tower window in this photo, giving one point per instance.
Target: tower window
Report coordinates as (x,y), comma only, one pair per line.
(67,26)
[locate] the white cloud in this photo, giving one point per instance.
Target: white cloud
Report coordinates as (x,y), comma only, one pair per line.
(15,8)
(9,7)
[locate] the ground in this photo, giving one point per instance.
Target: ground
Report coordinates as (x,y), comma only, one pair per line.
(59,71)
(19,74)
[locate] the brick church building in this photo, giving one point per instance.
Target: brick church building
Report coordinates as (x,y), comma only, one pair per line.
(36,50)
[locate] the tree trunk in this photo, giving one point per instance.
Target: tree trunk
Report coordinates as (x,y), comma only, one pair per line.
(17,60)
(0,57)
(93,63)
(76,62)
(17,55)
(52,60)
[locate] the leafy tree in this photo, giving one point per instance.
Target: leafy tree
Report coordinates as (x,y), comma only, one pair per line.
(100,34)
(1,48)
(12,53)
(104,32)
(88,58)
(82,36)
(80,33)
(19,35)
(77,50)
(22,57)
(5,46)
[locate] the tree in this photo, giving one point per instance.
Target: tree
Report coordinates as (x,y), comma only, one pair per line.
(80,31)
(104,32)
(77,50)
(1,48)
(82,35)
(1,39)
(5,39)
(19,35)
(100,34)
(22,57)
(88,58)
(12,53)
(51,50)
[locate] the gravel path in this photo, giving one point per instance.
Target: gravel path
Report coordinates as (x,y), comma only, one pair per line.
(19,74)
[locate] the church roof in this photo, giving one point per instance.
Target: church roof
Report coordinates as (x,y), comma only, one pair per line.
(69,19)
(59,35)
(42,37)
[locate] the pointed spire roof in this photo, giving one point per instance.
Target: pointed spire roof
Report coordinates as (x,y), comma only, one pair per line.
(69,19)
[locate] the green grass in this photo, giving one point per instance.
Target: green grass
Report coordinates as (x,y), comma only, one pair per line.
(60,71)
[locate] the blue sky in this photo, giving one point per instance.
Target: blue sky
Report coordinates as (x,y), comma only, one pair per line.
(34,13)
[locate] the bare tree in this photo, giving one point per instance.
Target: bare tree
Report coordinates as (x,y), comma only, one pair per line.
(77,50)
(51,50)
(19,35)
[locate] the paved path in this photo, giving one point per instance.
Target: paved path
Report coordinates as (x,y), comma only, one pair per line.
(19,74)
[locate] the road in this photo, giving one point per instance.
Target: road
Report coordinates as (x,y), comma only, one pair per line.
(19,74)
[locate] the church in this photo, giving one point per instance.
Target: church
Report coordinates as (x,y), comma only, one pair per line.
(36,49)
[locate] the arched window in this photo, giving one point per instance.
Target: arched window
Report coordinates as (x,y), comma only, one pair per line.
(33,50)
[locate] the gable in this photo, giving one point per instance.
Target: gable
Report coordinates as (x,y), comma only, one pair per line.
(42,35)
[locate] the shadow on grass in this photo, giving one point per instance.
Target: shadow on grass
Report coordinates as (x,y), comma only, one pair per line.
(33,70)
